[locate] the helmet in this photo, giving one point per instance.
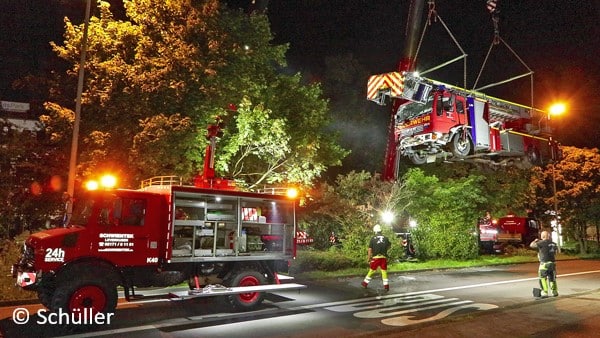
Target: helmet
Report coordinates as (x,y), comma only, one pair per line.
(377,228)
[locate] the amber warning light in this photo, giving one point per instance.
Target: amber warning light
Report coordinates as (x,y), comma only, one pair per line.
(106,182)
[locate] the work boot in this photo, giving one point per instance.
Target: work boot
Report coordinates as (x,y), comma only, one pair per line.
(544,294)
(554,289)
(364,284)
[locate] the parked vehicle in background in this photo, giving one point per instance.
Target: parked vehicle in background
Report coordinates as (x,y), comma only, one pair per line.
(495,236)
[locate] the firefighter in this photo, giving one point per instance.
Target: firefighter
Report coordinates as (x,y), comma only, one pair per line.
(547,271)
(377,257)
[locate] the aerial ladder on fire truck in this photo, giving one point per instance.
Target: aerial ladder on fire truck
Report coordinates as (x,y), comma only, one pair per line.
(433,120)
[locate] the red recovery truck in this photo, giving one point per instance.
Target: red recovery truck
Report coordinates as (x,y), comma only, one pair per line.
(512,230)
(220,240)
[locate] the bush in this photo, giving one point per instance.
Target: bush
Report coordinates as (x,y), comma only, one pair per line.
(330,260)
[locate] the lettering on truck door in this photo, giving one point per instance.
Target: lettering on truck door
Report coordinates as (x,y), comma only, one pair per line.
(123,230)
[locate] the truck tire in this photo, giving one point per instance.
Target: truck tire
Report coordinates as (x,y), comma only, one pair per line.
(250,300)
(418,158)
(99,295)
(460,146)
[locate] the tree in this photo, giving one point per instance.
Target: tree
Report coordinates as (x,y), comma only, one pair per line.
(507,187)
(156,80)
(350,208)
(577,178)
(445,212)
(30,189)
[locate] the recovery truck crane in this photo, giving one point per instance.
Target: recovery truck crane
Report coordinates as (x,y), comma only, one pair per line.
(431,120)
(210,235)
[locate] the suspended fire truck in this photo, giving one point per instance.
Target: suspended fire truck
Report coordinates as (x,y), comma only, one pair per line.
(432,120)
(442,121)
(220,240)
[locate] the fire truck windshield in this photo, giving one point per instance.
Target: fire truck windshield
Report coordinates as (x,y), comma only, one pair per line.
(410,110)
(82,210)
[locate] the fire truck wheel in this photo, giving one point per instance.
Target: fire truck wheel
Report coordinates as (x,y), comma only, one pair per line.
(460,145)
(418,158)
(98,295)
(246,301)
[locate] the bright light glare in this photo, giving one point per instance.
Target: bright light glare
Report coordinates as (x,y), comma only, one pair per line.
(387,217)
(91,185)
(558,108)
(292,193)
(412,223)
(108,181)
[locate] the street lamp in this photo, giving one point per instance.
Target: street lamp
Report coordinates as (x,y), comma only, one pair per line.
(75,137)
(555,109)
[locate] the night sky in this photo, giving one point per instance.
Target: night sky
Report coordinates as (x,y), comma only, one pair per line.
(558,39)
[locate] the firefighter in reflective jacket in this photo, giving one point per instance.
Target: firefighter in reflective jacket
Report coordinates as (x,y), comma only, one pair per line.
(547,271)
(377,257)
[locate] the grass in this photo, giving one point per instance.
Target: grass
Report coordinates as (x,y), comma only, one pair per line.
(519,256)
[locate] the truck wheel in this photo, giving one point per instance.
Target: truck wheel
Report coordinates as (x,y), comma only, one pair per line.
(418,158)
(460,144)
(250,300)
(98,295)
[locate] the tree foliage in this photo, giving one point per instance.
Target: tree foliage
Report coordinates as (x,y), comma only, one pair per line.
(350,208)
(30,189)
(577,179)
(445,212)
(154,81)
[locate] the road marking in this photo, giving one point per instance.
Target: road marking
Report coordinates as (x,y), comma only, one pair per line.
(365,303)
(408,320)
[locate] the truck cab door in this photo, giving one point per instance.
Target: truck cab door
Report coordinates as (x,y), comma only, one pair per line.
(124,231)
(449,111)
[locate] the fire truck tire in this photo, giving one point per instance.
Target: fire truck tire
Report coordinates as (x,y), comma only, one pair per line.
(99,295)
(460,145)
(250,300)
(418,158)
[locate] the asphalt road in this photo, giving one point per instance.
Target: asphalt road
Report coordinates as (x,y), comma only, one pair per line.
(483,302)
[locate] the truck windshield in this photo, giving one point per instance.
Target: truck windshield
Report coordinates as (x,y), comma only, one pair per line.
(410,110)
(82,210)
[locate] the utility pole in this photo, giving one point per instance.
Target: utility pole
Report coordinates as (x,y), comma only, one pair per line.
(75,138)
